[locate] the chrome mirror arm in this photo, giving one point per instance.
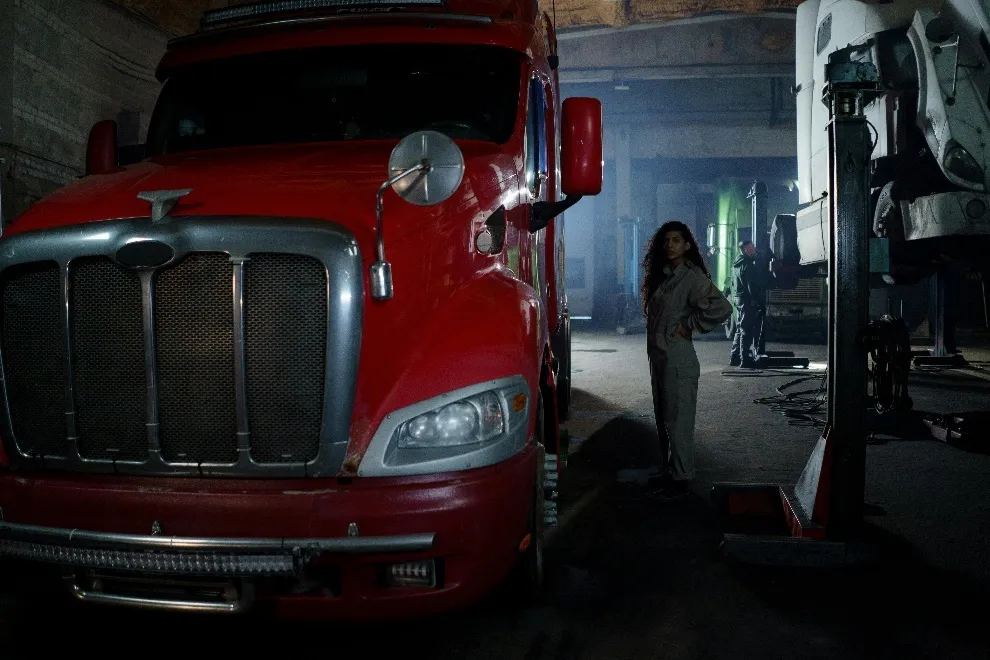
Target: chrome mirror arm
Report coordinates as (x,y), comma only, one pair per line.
(381,270)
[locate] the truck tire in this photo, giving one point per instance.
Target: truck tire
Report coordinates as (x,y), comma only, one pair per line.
(783,239)
(730,324)
(887,220)
(564,379)
(786,256)
(524,586)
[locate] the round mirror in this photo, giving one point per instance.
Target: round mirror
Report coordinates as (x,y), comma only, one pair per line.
(940,30)
(435,184)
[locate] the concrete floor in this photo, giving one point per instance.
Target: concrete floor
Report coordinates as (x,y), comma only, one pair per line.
(632,577)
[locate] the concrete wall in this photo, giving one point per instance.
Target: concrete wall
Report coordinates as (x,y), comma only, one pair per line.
(178,17)
(63,67)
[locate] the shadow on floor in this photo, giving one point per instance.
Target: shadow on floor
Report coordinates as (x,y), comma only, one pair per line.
(623,443)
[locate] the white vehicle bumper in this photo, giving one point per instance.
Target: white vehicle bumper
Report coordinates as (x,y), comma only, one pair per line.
(945,215)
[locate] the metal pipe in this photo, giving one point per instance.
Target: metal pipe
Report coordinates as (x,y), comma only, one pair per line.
(380,205)
(150,364)
(381,270)
(148,603)
(79,538)
(240,364)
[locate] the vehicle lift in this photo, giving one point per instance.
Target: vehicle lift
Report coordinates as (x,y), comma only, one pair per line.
(819,521)
(761,241)
(938,356)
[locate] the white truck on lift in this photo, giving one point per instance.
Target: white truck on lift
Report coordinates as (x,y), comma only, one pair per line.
(930,121)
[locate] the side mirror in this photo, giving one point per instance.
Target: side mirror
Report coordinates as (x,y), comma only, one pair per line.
(438,166)
(581,159)
(437,162)
(581,154)
(101,150)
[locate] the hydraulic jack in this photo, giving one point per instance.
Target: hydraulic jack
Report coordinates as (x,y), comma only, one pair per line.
(819,521)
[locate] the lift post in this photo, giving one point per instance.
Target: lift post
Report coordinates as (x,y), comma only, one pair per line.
(938,356)
(761,241)
(819,521)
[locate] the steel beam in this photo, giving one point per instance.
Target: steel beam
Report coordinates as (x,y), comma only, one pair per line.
(686,71)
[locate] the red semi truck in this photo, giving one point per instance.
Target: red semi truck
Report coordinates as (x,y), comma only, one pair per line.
(312,347)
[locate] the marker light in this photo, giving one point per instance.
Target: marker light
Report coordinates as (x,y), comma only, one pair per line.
(413,574)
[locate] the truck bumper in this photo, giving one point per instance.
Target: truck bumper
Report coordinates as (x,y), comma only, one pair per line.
(311,549)
(956,214)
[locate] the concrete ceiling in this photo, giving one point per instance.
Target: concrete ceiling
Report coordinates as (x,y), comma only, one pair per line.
(584,13)
(182,16)
(716,46)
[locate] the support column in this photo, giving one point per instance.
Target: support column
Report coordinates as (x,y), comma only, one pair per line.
(623,172)
(623,191)
(849,279)
(761,227)
(831,488)
(630,314)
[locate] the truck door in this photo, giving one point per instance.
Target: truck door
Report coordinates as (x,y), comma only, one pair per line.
(537,182)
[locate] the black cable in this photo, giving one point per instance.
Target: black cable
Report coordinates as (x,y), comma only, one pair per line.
(800,409)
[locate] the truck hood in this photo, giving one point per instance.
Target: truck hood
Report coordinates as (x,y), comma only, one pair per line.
(952,106)
(336,182)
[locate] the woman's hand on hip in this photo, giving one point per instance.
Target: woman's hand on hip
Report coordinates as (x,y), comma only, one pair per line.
(682,331)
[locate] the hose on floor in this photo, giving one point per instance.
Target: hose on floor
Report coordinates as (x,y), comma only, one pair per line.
(800,409)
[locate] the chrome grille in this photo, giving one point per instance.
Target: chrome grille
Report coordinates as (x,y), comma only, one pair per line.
(34,357)
(284,311)
(212,364)
(195,340)
(108,367)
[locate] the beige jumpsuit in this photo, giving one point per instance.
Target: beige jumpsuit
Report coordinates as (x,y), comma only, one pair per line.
(687,297)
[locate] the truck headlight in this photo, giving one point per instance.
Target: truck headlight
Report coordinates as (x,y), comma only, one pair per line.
(468,421)
(471,427)
(960,162)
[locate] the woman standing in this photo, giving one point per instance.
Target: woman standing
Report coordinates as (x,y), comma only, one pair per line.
(679,299)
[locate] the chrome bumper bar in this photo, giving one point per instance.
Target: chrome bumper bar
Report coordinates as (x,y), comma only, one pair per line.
(183,555)
(242,603)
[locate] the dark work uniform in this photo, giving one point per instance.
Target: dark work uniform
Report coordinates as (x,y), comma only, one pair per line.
(749,294)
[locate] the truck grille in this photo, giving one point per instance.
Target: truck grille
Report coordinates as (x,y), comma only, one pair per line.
(34,356)
(108,361)
(195,338)
(240,381)
(809,291)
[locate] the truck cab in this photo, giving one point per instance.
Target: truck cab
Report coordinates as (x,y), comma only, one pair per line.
(930,119)
(307,349)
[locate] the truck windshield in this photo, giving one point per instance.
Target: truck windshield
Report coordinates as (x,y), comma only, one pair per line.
(340,93)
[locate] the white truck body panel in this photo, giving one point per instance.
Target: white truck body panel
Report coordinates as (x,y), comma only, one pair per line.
(953,109)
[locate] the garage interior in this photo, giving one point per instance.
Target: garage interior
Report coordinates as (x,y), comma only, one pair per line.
(699,106)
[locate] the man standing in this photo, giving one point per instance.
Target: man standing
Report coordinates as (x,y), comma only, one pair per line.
(749,294)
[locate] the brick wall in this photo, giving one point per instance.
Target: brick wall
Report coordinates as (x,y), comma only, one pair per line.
(179,17)
(63,67)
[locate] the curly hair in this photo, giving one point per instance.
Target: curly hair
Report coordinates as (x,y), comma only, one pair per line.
(656,259)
